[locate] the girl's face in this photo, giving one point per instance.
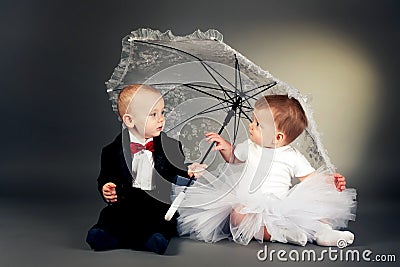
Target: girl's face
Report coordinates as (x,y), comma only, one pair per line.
(262,129)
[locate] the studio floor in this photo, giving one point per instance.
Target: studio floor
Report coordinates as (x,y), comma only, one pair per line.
(43,233)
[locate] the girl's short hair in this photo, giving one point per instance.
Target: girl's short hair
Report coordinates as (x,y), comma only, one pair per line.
(288,114)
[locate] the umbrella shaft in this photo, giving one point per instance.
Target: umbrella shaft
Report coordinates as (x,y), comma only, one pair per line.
(226,121)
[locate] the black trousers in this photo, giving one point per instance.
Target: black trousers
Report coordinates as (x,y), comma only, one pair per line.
(132,224)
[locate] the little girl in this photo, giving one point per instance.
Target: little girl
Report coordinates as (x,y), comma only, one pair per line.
(253,197)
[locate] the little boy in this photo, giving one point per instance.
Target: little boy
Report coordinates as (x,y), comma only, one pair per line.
(134,217)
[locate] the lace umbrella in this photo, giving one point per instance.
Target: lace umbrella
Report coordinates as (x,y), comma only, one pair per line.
(207,86)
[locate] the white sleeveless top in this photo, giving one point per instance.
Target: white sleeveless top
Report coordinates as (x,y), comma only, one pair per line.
(270,170)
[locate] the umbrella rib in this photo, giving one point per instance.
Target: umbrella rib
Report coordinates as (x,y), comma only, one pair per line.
(189,54)
(234,126)
(236,129)
(190,86)
(240,76)
(219,74)
(236,63)
(249,108)
(201,112)
(204,86)
(209,87)
(217,109)
(237,74)
(269,85)
(265,89)
(258,87)
(198,90)
(244,113)
(222,101)
(240,79)
(222,88)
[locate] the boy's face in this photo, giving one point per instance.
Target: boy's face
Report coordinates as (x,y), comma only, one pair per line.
(262,129)
(147,111)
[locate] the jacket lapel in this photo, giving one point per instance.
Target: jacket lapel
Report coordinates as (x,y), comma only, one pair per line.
(127,155)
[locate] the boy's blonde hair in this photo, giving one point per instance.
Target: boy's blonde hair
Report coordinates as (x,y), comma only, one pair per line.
(289,116)
(126,95)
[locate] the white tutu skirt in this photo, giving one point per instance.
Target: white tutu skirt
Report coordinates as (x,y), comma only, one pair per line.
(206,211)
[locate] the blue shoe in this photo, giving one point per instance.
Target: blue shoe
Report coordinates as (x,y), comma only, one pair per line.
(156,243)
(100,240)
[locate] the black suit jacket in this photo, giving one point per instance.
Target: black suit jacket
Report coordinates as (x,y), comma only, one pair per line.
(116,160)
(139,213)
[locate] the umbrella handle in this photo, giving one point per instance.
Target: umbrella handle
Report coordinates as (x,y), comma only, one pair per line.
(174,206)
(201,162)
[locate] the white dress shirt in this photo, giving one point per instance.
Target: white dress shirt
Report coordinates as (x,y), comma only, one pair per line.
(142,166)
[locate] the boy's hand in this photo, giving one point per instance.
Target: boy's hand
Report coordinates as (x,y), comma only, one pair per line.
(196,169)
(220,143)
(340,181)
(109,192)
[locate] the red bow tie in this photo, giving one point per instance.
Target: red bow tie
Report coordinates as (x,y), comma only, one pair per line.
(136,147)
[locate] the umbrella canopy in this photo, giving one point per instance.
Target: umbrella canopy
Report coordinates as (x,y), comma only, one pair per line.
(207,86)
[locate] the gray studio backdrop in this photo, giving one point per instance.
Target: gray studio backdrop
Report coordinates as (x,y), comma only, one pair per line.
(55,116)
